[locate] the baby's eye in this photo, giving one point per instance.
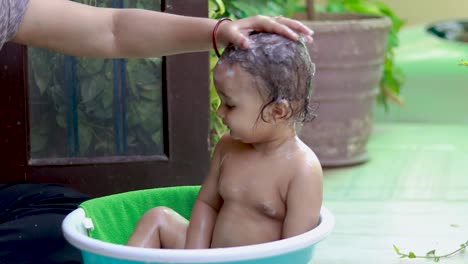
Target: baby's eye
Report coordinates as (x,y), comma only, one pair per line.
(229,106)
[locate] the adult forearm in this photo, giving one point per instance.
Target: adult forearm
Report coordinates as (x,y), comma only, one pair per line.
(76,29)
(146,33)
(67,27)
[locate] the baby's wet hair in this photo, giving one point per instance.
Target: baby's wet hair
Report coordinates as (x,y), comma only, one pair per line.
(282,66)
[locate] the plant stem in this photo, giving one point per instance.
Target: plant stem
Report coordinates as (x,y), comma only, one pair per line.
(310,9)
(431,254)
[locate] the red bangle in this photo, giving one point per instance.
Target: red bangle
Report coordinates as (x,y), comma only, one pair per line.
(213,37)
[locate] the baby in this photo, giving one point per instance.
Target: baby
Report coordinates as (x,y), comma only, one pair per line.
(264,183)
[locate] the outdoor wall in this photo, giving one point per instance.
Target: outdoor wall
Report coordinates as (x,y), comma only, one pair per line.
(423,11)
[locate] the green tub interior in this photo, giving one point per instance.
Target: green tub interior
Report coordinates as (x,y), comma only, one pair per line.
(114,217)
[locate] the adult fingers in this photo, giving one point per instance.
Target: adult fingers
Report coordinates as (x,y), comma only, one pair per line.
(267,24)
(295,25)
(236,32)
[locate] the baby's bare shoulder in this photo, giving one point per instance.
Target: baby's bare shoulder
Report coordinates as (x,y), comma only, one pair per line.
(306,178)
(306,163)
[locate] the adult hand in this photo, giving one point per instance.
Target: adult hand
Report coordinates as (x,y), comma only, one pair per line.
(236,32)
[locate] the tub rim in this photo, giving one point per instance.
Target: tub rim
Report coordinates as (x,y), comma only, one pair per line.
(249,252)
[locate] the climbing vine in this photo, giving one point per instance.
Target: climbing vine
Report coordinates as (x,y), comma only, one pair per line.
(432,253)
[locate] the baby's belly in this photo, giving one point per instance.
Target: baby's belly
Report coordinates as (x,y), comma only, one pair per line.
(237,226)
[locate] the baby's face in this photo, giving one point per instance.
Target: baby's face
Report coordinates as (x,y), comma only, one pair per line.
(241,102)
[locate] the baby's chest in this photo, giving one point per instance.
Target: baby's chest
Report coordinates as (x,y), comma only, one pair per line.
(254,190)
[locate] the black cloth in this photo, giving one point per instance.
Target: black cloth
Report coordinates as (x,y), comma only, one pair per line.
(31,215)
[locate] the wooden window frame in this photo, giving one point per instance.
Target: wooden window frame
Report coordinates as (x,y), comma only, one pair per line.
(186,119)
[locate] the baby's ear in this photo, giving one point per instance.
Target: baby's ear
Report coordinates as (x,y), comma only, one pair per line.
(280,110)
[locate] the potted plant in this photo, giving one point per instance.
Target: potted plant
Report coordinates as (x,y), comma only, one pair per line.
(353,53)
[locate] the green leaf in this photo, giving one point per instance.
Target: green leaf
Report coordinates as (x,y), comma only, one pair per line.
(335,8)
(150,116)
(154,61)
(103,146)
(430,253)
(107,98)
(216,8)
(132,118)
(397,250)
(392,40)
(464,63)
(275,9)
(247,9)
(318,8)
(85,136)
(244,8)
(365,8)
(42,82)
(411,255)
(91,88)
(143,75)
(60,119)
(221,6)
(87,67)
(156,137)
(150,95)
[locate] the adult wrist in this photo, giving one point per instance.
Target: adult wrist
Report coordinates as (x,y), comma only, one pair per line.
(214,33)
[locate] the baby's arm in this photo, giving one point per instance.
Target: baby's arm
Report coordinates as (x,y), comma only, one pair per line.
(206,207)
(304,199)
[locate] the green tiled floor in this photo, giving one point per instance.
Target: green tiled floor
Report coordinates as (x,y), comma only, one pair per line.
(412,193)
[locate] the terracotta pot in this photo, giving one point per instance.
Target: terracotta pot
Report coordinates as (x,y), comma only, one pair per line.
(348,52)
